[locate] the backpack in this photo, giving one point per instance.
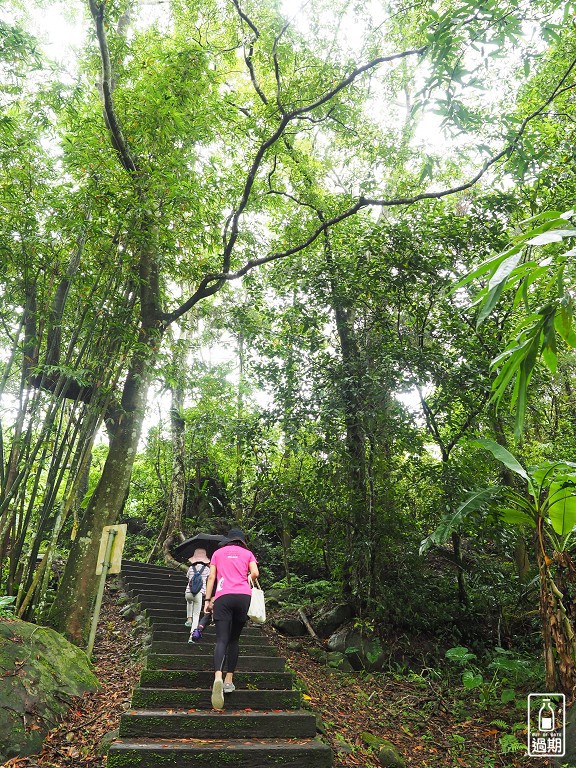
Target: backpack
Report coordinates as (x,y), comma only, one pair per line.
(196,583)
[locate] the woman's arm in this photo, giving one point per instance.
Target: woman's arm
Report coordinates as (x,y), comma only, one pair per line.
(210,584)
(253,570)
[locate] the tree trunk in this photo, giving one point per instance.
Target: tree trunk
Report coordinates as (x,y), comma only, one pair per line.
(557,623)
(172,528)
(70,613)
(356,571)
(239,437)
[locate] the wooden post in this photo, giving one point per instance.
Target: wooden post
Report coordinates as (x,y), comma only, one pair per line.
(112,532)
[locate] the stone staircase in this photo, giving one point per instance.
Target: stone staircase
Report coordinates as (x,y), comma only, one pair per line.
(172,723)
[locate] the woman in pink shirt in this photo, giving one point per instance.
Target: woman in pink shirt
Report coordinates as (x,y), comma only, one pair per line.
(228,597)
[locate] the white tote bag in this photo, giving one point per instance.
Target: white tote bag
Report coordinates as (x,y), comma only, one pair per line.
(257,609)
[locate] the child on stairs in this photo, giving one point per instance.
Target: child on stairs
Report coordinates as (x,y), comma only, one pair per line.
(199,568)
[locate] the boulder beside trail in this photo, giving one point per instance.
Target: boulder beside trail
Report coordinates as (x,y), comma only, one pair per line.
(327,621)
(362,652)
(39,673)
(388,755)
(289,626)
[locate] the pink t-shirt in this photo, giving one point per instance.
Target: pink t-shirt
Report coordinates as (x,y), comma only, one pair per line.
(232,567)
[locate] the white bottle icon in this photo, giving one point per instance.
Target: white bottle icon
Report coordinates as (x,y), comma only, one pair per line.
(546,717)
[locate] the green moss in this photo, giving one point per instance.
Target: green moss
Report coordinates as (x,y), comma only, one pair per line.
(229,757)
(123,759)
(42,672)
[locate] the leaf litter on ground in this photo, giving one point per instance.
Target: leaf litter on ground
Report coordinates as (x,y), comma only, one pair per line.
(417,719)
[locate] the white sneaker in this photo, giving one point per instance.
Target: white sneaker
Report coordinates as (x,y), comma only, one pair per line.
(218,694)
(229,687)
(188,623)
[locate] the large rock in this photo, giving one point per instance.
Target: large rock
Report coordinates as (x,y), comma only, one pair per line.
(290,627)
(280,594)
(39,672)
(338,661)
(326,622)
(339,639)
(318,654)
(388,755)
(362,652)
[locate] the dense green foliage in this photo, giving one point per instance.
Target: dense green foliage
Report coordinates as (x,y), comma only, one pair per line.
(328,242)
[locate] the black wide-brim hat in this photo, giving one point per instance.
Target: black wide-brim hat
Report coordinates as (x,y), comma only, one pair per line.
(234,535)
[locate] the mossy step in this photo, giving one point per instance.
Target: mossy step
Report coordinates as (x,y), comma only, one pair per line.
(181,634)
(191,753)
(169,597)
(178,632)
(155,576)
(174,610)
(164,602)
(181,645)
(206,661)
(140,564)
(179,678)
(176,625)
(144,579)
(169,587)
(238,724)
(163,615)
(133,566)
(157,592)
(191,698)
(176,595)
(207,644)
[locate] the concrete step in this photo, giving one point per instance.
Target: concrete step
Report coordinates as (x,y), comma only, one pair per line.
(156,575)
(175,618)
(176,625)
(194,698)
(157,592)
(149,590)
(206,645)
(206,661)
(171,598)
(137,565)
(156,582)
(151,572)
(192,753)
(157,587)
(181,635)
(176,603)
(235,724)
(183,678)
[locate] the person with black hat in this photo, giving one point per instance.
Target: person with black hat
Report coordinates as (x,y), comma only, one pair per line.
(228,594)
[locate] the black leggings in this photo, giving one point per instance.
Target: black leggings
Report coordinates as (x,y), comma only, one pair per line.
(230,615)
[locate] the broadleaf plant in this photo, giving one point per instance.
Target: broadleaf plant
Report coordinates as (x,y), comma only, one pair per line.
(547,502)
(537,257)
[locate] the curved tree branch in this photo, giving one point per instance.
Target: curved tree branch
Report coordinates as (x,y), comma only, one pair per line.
(248,56)
(211,283)
(112,123)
